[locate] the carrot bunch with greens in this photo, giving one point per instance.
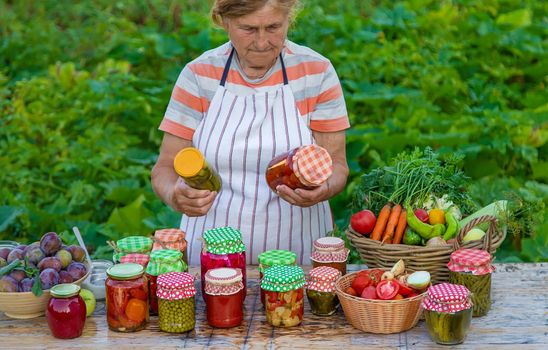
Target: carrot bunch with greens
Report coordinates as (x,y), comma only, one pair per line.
(390,225)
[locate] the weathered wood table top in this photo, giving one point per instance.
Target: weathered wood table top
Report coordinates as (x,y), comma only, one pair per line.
(518,319)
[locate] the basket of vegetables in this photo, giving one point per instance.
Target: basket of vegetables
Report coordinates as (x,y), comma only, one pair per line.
(417,209)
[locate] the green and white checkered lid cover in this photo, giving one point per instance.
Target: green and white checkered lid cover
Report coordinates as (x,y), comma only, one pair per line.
(134,244)
(276,257)
(223,240)
(164,261)
(283,278)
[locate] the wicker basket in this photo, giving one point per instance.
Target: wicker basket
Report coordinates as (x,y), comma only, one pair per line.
(378,316)
(432,259)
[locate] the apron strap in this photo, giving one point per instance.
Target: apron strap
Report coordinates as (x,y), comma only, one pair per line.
(229,61)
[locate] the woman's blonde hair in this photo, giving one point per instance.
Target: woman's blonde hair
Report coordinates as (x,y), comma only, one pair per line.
(237,8)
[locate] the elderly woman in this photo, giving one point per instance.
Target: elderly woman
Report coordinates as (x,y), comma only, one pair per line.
(241,104)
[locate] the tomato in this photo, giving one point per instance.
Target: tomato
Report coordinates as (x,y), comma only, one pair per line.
(398,297)
(422,215)
(369,293)
(272,296)
(360,282)
(387,289)
(412,294)
(351,291)
(363,222)
(376,276)
(404,289)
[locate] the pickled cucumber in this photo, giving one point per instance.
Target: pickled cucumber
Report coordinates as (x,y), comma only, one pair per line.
(176,316)
(480,288)
(322,303)
(448,328)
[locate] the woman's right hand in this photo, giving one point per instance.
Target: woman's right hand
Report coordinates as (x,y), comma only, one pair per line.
(190,201)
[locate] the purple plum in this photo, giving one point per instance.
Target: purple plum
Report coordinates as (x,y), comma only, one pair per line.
(50,243)
(4,252)
(78,254)
(18,275)
(8,284)
(64,257)
(15,254)
(50,262)
(49,278)
(65,277)
(34,255)
(26,285)
(77,270)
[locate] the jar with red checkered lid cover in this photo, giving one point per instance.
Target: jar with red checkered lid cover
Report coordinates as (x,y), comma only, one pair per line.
(448,313)
(170,238)
(176,307)
(302,167)
(224,297)
(330,251)
(320,290)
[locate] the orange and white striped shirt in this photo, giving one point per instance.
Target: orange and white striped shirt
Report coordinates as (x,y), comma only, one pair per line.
(312,79)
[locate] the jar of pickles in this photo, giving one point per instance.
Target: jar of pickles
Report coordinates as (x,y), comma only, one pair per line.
(126,297)
(320,290)
(162,261)
(472,268)
(274,258)
(302,167)
(66,311)
(131,244)
(191,165)
(284,295)
(224,297)
(330,251)
(223,247)
(448,313)
(176,313)
(170,238)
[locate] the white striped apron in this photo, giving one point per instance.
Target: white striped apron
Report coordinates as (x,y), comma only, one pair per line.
(239,136)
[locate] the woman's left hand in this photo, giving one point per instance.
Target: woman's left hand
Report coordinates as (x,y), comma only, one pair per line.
(304,198)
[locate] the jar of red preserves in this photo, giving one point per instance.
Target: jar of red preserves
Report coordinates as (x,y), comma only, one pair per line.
(162,261)
(66,311)
(330,251)
(223,247)
(302,167)
(126,298)
(284,295)
(274,258)
(224,297)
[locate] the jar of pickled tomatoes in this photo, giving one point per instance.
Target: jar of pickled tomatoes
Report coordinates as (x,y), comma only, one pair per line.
(162,261)
(66,311)
(330,251)
(284,295)
(302,167)
(273,258)
(224,296)
(126,297)
(223,247)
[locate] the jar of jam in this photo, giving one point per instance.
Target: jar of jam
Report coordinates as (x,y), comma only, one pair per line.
(472,268)
(273,258)
(448,313)
(66,311)
(284,295)
(330,251)
(162,261)
(176,307)
(320,290)
(170,238)
(131,244)
(224,296)
(223,247)
(126,298)
(191,165)
(302,167)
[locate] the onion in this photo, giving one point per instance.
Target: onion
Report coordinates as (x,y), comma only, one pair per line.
(419,280)
(436,241)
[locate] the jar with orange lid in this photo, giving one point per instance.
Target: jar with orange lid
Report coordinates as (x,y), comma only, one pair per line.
(170,238)
(320,290)
(224,296)
(126,298)
(330,251)
(191,165)
(304,167)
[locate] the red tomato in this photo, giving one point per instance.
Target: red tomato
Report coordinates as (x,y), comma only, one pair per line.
(422,215)
(369,292)
(363,222)
(404,289)
(398,297)
(375,275)
(359,283)
(387,289)
(351,291)
(411,295)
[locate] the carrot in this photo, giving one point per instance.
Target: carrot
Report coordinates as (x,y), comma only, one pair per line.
(382,219)
(391,225)
(400,228)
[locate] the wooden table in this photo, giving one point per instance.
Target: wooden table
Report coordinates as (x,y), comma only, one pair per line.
(518,320)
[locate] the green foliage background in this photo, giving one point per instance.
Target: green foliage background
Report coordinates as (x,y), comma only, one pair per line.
(84,84)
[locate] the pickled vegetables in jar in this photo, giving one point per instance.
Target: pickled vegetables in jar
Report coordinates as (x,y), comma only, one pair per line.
(284,295)
(273,258)
(176,304)
(191,165)
(320,290)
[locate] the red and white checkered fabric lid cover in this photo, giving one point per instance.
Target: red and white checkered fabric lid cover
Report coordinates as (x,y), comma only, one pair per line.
(312,164)
(322,279)
(223,281)
(141,259)
(447,297)
(329,249)
(476,261)
(175,286)
(171,238)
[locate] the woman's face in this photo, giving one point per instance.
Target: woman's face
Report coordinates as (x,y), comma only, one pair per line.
(258,37)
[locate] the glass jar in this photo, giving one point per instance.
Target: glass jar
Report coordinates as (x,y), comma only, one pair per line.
(162,261)
(191,165)
(320,290)
(176,307)
(136,258)
(223,247)
(472,268)
(66,311)
(95,282)
(128,245)
(330,251)
(448,313)
(224,297)
(304,167)
(284,295)
(126,298)
(274,258)
(170,238)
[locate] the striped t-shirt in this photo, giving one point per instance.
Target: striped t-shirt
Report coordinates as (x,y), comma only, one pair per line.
(312,79)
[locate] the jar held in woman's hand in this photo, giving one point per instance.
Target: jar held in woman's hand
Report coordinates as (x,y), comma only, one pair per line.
(191,165)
